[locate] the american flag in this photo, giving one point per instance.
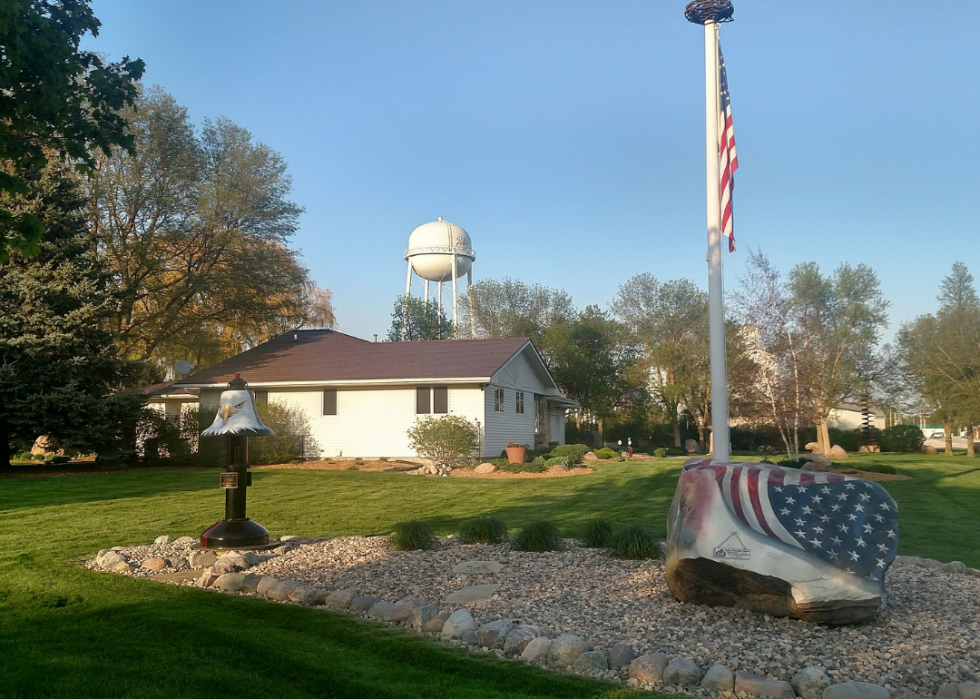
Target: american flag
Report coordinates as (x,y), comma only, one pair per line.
(847,522)
(726,149)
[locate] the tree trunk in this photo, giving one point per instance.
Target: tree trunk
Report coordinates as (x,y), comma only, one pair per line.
(825,432)
(578,420)
(602,440)
(5,446)
(822,446)
(701,441)
(948,430)
(970,452)
(675,426)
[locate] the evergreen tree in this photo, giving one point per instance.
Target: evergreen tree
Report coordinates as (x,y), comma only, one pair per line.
(60,373)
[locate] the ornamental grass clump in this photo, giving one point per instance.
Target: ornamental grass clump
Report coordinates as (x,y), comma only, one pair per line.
(539,535)
(634,541)
(413,535)
(483,530)
(598,533)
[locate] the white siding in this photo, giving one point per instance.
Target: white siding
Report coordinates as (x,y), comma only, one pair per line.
(508,425)
(372,422)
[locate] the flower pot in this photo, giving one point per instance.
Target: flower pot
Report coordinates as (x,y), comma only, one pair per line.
(516,455)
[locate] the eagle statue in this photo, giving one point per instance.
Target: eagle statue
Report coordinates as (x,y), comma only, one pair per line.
(236,413)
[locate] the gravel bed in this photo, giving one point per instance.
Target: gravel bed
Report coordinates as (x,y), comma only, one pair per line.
(928,635)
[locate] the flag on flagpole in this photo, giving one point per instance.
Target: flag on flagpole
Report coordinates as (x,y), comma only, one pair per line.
(726,149)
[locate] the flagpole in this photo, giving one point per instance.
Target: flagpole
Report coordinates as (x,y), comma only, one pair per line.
(709,13)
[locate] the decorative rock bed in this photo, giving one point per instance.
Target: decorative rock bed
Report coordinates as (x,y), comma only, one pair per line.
(583,612)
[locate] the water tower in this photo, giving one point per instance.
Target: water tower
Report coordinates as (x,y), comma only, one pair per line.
(440,251)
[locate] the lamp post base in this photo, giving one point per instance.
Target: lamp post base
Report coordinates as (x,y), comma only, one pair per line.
(235,534)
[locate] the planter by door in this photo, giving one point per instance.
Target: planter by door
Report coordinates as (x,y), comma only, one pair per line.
(516,455)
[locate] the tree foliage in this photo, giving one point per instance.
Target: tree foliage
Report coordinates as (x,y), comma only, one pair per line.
(511,308)
(450,440)
(422,320)
(55,98)
(60,373)
(195,229)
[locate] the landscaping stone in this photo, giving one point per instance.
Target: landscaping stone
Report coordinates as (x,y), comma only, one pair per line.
(433,625)
(280,591)
(691,446)
(121,567)
(399,613)
(177,576)
(968,690)
(207,579)
(956,567)
(621,655)
(904,693)
(649,668)
(363,603)
(477,567)
(518,638)
(184,540)
(251,558)
(948,691)
(202,559)
(589,457)
(565,650)
(165,539)
(264,584)
(154,564)
(341,599)
(810,682)
(423,614)
(591,661)
(109,559)
(928,449)
(837,452)
(229,563)
(718,678)
(179,563)
(811,446)
(485,468)
(756,686)
(237,582)
(855,690)
(458,622)
(537,650)
(493,634)
(379,609)
(302,594)
(473,594)
(683,672)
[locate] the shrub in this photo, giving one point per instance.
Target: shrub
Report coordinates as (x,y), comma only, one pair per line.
(660,452)
(676,451)
(598,532)
(634,541)
(413,535)
(449,440)
(382,459)
(526,467)
(904,438)
(576,451)
(358,460)
(37,457)
(352,467)
(292,439)
(120,457)
(539,535)
(483,530)
(568,461)
(56,459)
(606,453)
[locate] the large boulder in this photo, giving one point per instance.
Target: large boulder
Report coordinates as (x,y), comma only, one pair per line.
(780,541)
(837,452)
(566,649)
(691,446)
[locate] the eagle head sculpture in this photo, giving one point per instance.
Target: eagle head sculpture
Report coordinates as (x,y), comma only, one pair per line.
(236,413)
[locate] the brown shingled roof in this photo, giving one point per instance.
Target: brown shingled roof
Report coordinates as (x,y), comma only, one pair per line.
(327,355)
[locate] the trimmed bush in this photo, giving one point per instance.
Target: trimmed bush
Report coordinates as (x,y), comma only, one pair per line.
(676,451)
(526,467)
(660,452)
(606,453)
(598,532)
(55,459)
(576,451)
(903,438)
(539,535)
(413,535)
(449,439)
(483,530)
(568,461)
(634,541)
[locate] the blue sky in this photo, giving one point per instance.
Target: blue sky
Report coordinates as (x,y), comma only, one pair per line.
(568,137)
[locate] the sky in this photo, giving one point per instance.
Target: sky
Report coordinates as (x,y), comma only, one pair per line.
(567,137)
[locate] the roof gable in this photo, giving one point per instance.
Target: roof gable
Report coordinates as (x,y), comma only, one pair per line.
(310,356)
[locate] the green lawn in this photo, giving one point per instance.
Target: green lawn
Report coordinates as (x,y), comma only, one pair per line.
(68,632)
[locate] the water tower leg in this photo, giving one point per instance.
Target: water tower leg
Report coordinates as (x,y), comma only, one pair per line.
(408,295)
(426,292)
(455,297)
(469,294)
(439,307)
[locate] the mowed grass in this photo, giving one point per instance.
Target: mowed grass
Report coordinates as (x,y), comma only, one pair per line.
(68,632)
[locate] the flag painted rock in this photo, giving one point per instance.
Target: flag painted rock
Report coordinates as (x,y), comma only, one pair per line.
(781,541)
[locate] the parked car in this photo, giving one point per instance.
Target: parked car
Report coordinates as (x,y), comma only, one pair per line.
(938,434)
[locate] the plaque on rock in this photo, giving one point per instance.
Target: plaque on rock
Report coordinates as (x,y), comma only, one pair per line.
(780,541)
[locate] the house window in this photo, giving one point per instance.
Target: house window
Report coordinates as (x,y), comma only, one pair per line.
(498,402)
(330,401)
(520,401)
(432,399)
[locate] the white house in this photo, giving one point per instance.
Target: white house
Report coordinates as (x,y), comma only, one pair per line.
(848,416)
(362,397)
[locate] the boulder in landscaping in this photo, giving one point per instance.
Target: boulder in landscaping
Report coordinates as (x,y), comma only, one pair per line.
(837,452)
(719,679)
(621,655)
(165,539)
(485,467)
(537,650)
(855,690)
(518,639)
(493,634)
(565,650)
(683,672)
(590,662)
(810,682)
(155,564)
(756,686)
(457,623)
(379,609)
(229,563)
(341,599)
(649,668)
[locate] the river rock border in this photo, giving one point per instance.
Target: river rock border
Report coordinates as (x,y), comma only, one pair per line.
(177,562)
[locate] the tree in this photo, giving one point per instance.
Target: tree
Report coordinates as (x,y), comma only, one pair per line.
(669,322)
(60,373)
(940,356)
(592,361)
(511,308)
(55,98)
(195,231)
(425,321)
(449,440)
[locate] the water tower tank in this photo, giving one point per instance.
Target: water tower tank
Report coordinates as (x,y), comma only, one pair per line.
(431,247)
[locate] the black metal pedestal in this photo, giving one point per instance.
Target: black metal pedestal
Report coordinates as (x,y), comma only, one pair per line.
(236,530)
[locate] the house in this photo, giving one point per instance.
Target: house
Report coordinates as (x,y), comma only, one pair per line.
(170,400)
(848,416)
(362,397)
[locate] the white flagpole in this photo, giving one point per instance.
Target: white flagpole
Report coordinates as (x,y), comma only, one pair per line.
(716,306)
